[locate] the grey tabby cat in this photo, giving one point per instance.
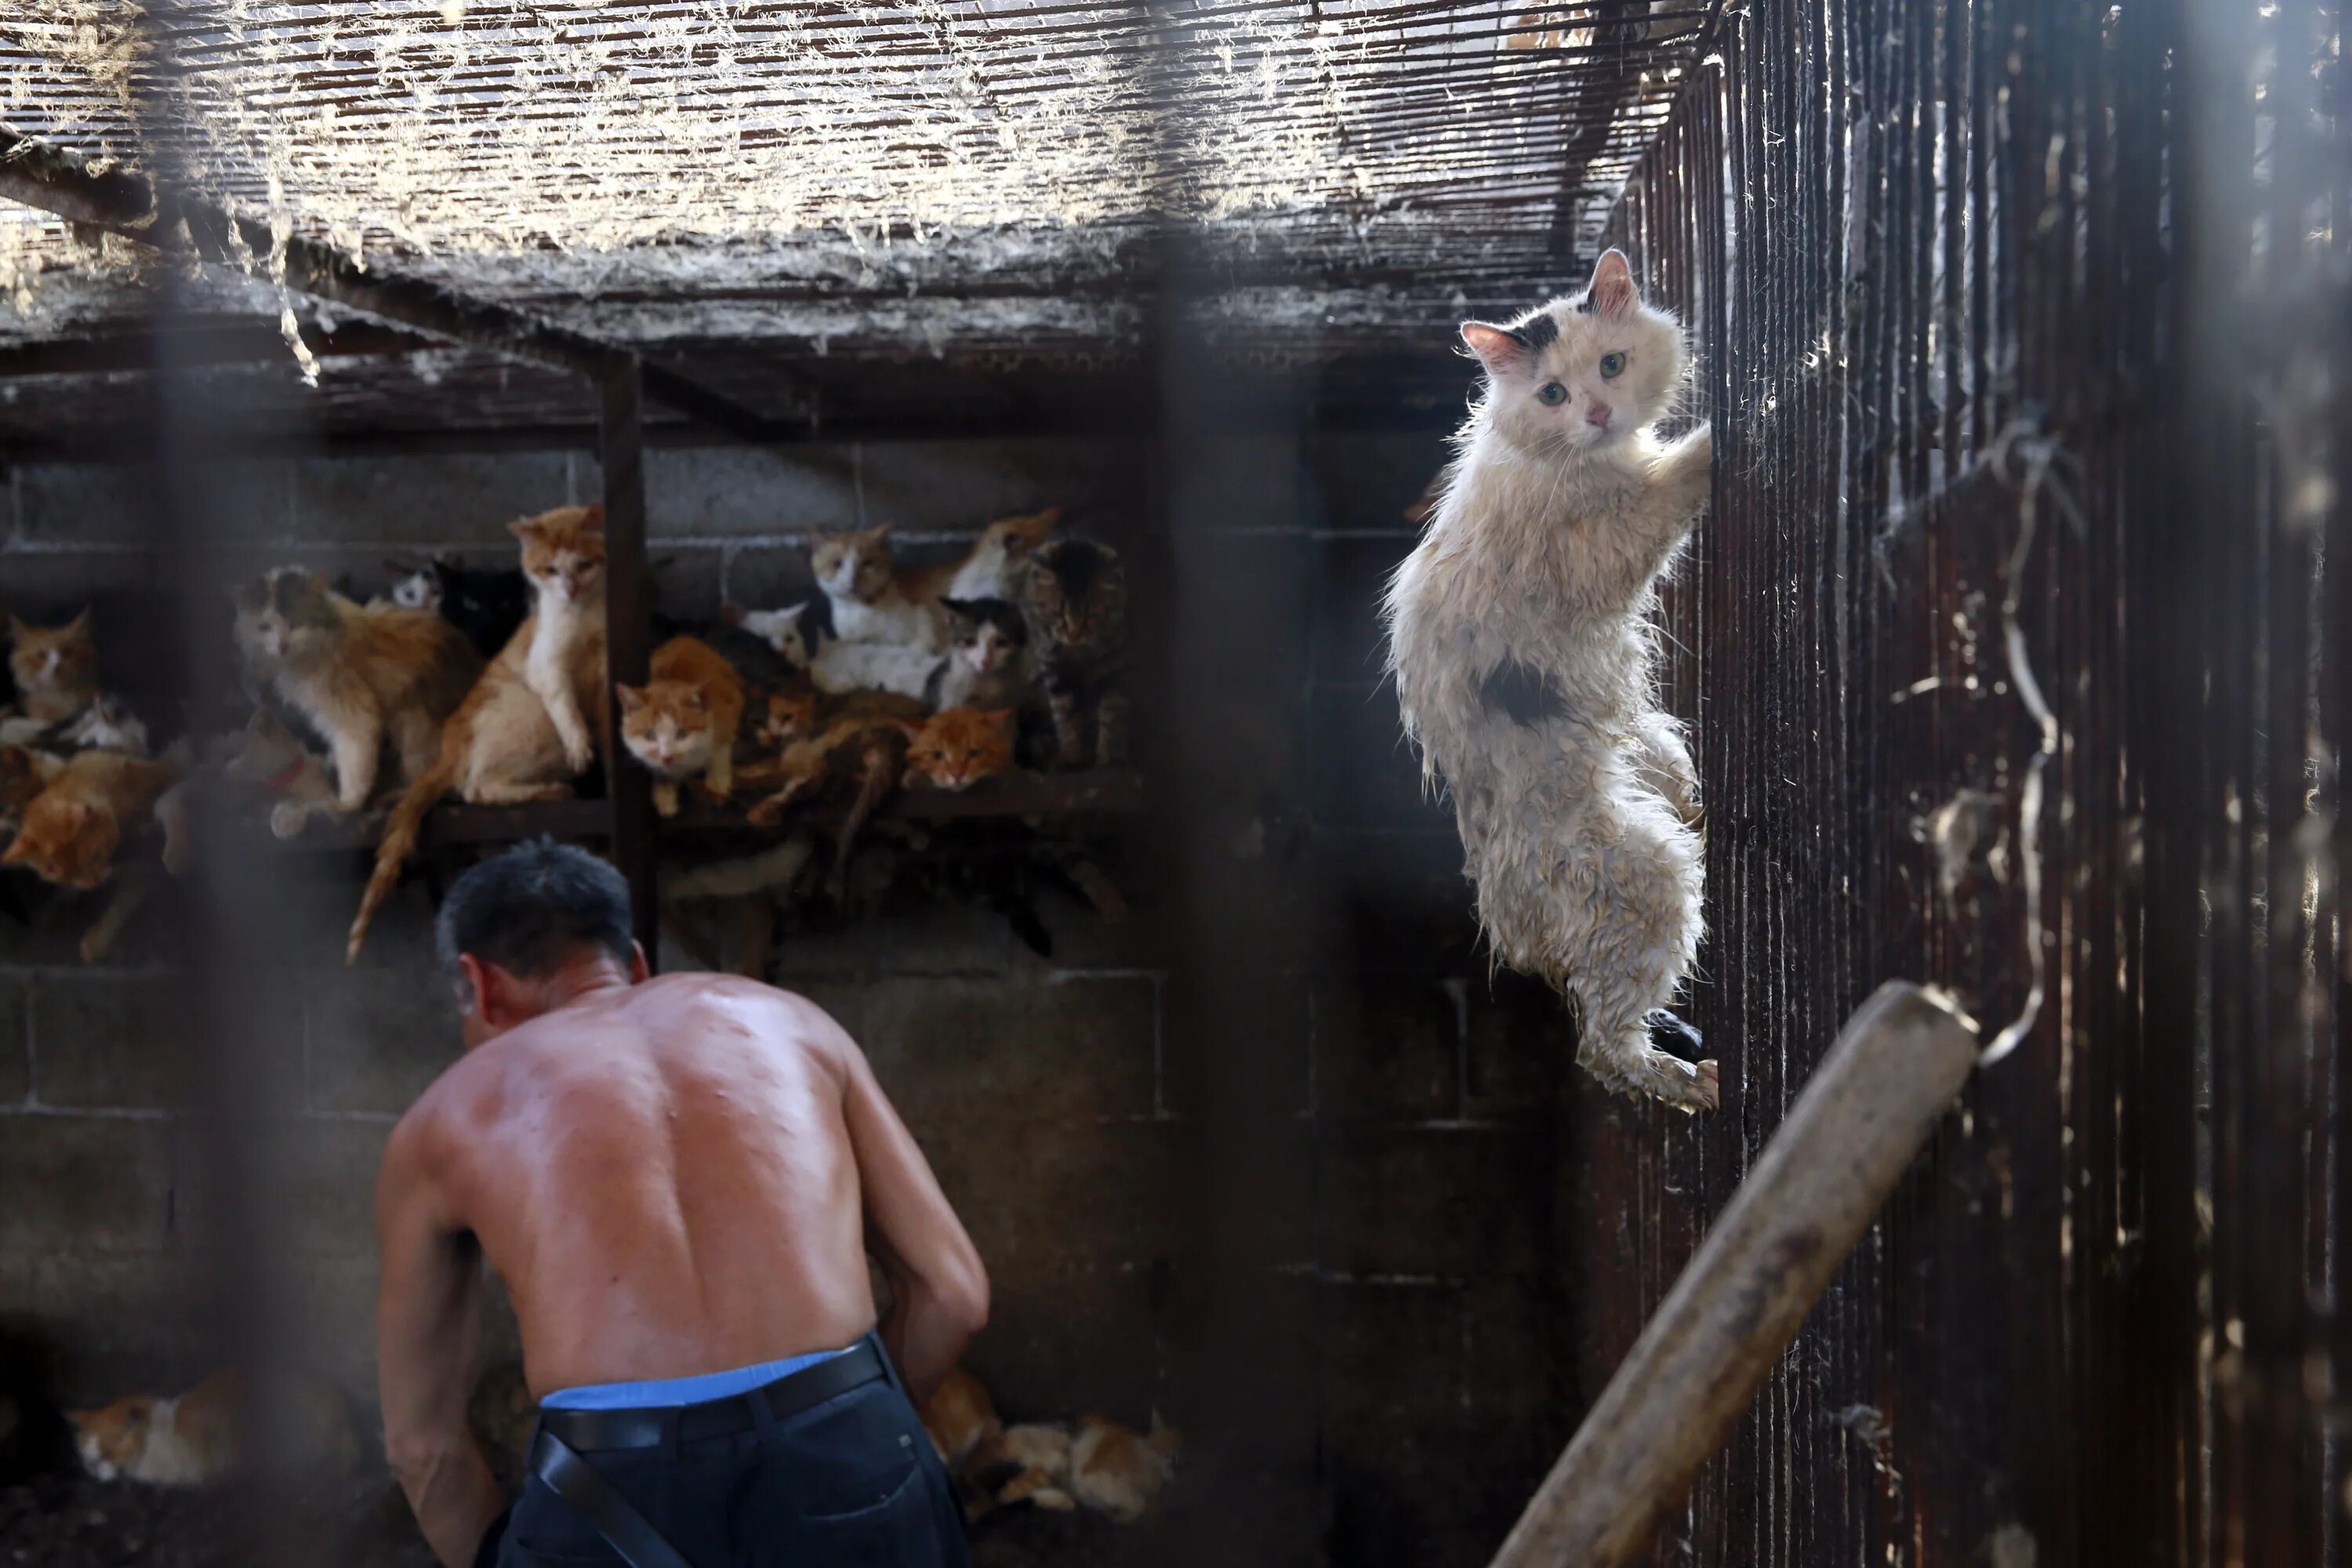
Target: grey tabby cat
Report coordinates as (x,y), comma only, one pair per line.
(1075,600)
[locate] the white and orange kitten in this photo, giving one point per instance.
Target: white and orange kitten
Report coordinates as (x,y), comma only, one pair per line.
(1520,635)
(193,1440)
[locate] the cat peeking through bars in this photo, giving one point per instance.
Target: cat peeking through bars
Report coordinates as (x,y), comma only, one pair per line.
(1522,639)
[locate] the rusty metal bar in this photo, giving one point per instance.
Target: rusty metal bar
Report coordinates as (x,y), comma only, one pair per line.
(628,619)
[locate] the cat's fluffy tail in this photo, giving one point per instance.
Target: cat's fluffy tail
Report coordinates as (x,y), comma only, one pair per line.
(399,842)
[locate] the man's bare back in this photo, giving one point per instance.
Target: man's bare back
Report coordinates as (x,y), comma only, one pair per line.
(664,1177)
(677,1179)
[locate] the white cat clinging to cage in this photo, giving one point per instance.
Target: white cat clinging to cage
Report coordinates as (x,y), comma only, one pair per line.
(1521,639)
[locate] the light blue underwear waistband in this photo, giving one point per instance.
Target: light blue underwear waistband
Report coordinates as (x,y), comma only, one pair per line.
(693,1390)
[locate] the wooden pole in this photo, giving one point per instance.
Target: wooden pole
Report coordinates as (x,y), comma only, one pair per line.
(628,636)
(1893,1072)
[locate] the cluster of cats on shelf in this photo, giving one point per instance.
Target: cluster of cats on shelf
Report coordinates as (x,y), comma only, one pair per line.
(491,685)
(192,1439)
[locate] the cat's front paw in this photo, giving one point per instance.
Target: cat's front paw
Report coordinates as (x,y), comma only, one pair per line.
(579,752)
(288,818)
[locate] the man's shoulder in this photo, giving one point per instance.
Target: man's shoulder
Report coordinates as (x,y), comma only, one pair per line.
(778,1019)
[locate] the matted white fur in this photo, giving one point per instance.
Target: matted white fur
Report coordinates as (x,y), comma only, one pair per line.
(1521,638)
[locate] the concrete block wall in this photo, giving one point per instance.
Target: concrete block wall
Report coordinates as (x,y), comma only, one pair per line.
(1408,1105)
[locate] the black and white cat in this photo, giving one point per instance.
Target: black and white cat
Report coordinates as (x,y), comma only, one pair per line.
(1520,635)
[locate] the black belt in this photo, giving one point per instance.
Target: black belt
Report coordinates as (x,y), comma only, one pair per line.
(555,1452)
(591,1430)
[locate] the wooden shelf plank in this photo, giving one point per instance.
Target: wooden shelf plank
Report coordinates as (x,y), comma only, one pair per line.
(1108,792)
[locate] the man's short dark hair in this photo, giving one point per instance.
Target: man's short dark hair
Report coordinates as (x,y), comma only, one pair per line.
(529,909)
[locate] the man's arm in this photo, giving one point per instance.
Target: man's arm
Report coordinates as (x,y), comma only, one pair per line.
(939,1289)
(428,1324)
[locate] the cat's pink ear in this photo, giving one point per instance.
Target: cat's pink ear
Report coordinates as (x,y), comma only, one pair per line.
(17,630)
(1499,349)
(697,700)
(880,530)
(592,520)
(632,698)
(80,623)
(524,528)
(18,847)
(1612,292)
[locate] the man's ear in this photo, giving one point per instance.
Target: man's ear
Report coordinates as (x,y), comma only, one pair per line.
(473,985)
(639,970)
(500,1000)
(1499,349)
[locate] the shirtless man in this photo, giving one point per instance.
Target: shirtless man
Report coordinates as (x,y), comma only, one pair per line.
(678,1179)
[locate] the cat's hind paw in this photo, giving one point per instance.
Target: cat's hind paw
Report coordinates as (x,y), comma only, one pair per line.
(1691,1087)
(1673,1037)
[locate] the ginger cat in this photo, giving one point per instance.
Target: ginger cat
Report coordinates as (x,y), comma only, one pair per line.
(868,603)
(523,732)
(958,747)
(24,775)
(357,674)
(56,668)
(71,829)
(854,742)
(193,1439)
(684,718)
(1093,1461)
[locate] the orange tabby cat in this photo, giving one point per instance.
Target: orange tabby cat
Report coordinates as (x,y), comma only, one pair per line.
(24,775)
(684,718)
(193,1439)
(1117,1471)
(858,745)
(524,731)
(358,674)
(1096,1463)
(70,830)
(56,668)
(958,1416)
(958,747)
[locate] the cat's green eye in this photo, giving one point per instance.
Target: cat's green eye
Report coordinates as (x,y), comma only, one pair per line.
(1612,365)
(1551,395)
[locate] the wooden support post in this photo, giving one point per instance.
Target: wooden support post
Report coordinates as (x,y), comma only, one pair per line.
(628,635)
(1894,1071)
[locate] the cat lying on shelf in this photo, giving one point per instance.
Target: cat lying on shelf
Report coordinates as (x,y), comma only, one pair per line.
(67,833)
(59,706)
(683,719)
